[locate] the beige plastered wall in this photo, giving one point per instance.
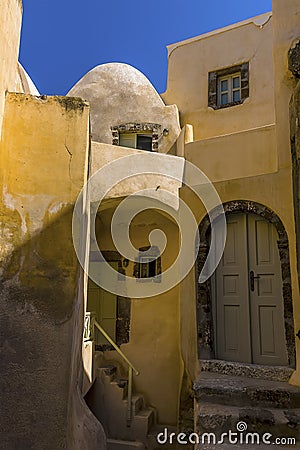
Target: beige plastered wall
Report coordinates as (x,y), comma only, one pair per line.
(154,341)
(153,167)
(155,325)
(44,164)
(274,191)
(285,31)
(10,26)
(120,94)
(237,155)
(191,61)
(246,156)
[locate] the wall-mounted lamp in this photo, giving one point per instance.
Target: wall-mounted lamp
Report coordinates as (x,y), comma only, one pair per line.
(125,262)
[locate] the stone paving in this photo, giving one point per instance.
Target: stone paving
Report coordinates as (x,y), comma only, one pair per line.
(265,406)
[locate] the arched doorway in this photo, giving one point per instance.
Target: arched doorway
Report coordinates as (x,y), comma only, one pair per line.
(247,294)
(241,317)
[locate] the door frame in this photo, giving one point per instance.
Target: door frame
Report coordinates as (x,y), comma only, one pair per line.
(205,319)
(123,303)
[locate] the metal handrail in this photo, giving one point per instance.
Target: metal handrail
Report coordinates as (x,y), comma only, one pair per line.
(131,369)
(97,325)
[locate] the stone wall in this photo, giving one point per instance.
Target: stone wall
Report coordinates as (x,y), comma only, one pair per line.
(294,66)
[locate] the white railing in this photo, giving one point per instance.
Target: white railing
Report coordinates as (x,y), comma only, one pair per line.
(90,324)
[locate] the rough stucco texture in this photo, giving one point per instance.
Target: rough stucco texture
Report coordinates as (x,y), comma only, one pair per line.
(43,160)
(295,146)
(188,75)
(10,26)
(120,94)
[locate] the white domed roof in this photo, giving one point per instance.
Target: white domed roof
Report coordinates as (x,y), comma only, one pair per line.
(118,78)
(26,83)
(118,94)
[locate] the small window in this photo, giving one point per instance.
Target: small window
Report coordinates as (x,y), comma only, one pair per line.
(144,142)
(228,87)
(127,140)
(148,265)
(140,135)
(136,140)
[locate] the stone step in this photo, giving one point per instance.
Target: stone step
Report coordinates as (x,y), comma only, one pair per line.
(108,401)
(116,444)
(222,418)
(137,403)
(142,422)
(242,447)
(208,441)
(275,373)
(111,373)
(122,383)
(243,391)
(109,370)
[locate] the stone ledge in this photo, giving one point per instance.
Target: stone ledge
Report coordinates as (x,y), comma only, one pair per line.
(294,59)
(275,373)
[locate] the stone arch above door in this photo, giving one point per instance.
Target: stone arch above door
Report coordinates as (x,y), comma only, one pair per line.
(204,292)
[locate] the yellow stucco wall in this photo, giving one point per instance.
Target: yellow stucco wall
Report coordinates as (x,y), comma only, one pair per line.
(191,61)
(10,26)
(156,323)
(285,31)
(154,342)
(157,166)
(275,192)
(244,149)
(40,127)
(238,155)
(44,164)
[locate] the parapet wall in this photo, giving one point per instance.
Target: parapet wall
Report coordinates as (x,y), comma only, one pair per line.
(10,28)
(44,161)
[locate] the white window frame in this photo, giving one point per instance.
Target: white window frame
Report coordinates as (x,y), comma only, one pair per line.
(148,256)
(132,139)
(144,271)
(230,91)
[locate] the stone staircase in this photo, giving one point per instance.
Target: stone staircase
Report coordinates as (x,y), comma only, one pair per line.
(259,396)
(107,399)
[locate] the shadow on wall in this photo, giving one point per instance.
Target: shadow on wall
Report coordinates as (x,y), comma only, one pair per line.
(41,327)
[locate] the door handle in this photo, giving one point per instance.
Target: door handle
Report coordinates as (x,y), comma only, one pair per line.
(252,278)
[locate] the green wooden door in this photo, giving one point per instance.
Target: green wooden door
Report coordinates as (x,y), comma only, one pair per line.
(104,304)
(249,313)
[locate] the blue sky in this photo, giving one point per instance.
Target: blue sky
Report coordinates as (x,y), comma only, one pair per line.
(64,39)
